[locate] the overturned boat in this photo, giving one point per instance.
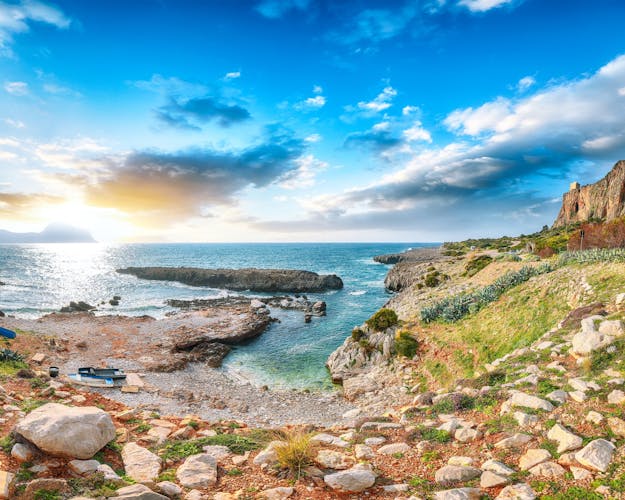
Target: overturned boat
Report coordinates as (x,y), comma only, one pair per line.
(98,377)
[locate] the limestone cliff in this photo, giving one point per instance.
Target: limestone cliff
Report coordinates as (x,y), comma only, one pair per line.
(604,199)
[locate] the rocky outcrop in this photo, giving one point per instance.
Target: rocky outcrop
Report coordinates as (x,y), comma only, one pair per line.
(604,199)
(416,255)
(360,352)
(255,280)
(67,431)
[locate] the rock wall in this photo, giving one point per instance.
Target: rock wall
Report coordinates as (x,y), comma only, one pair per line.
(604,199)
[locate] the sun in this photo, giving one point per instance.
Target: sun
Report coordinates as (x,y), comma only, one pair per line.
(105,225)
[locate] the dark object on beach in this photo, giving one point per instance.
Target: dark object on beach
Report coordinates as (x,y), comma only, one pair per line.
(117,297)
(9,334)
(53,371)
(114,302)
(2,314)
(98,377)
(25,373)
(255,280)
(77,307)
(307,318)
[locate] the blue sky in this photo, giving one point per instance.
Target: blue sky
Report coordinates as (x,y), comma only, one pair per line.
(296,120)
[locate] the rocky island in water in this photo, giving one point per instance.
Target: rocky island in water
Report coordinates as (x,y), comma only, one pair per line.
(495,370)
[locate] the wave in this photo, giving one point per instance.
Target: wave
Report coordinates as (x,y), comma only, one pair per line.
(358,292)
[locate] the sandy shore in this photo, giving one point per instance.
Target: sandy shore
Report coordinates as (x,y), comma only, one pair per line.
(139,344)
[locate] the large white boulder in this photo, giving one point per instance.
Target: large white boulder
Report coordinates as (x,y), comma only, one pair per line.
(76,432)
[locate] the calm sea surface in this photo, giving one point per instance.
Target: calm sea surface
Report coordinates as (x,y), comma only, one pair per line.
(42,278)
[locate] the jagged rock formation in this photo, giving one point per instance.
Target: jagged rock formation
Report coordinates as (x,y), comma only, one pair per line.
(604,199)
(256,280)
(416,255)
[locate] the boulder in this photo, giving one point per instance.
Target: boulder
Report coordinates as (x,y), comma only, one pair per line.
(596,455)
(489,479)
(198,471)
(533,457)
(459,494)
(520,491)
(6,484)
(75,432)
(83,467)
(391,449)
(514,441)
(48,484)
(329,459)
(354,480)
(529,401)
(566,440)
(456,474)
(140,464)
(280,493)
(548,469)
(137,492)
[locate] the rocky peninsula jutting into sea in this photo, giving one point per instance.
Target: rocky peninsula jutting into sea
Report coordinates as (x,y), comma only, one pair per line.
(494,371)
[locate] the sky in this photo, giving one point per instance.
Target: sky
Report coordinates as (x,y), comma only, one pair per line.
(304,120)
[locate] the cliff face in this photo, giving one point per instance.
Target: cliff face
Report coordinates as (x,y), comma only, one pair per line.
(603,200)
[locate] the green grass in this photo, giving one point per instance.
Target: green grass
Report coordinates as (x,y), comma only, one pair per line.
(47,495)
(238,444)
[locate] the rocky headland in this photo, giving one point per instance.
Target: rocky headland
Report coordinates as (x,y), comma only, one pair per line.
(254,280)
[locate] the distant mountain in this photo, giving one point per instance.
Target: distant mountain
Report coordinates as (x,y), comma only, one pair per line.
(54,233)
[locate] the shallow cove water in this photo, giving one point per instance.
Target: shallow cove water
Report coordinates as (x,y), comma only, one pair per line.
(291,354)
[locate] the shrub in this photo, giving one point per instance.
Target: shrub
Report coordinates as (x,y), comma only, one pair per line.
(476,264)
(297,453)
(357,334)
(406,345)
(592,256)
(383,319)
(10,356)
(454,308)
(432,279)
(236,443)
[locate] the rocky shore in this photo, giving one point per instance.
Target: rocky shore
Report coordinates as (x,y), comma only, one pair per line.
(255,280)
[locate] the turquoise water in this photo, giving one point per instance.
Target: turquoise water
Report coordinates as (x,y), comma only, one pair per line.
(43,278)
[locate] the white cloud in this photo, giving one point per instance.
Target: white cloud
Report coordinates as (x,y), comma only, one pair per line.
(315,102)
(233,75)
(56,89)
(17,18)
(312,138)
(409,110)
(16,88)
(14,123)
(305,174)
(381,102)
(471,121)
(525,83)
(483,5)
(417,133)
(501,143)
(317,89)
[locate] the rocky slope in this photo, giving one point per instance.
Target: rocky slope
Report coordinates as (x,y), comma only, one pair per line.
(604,199)
(255,280)
(543,421)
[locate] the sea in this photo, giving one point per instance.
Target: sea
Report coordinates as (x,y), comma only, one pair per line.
(40,279)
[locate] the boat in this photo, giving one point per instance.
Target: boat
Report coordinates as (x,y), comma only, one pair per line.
(9,334)
(98,377)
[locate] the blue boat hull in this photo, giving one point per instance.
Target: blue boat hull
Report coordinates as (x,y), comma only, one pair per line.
(9,334)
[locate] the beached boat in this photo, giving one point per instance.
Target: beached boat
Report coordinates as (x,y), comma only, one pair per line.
(98,377)
(9,334)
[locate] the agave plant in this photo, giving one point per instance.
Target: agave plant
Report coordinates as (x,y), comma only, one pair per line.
(9,355)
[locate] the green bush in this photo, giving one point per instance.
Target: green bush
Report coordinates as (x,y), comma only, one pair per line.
(406,345)
(476,264)
(592,256)
(432,280)
(383,319)
(11,356)
(357,334)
